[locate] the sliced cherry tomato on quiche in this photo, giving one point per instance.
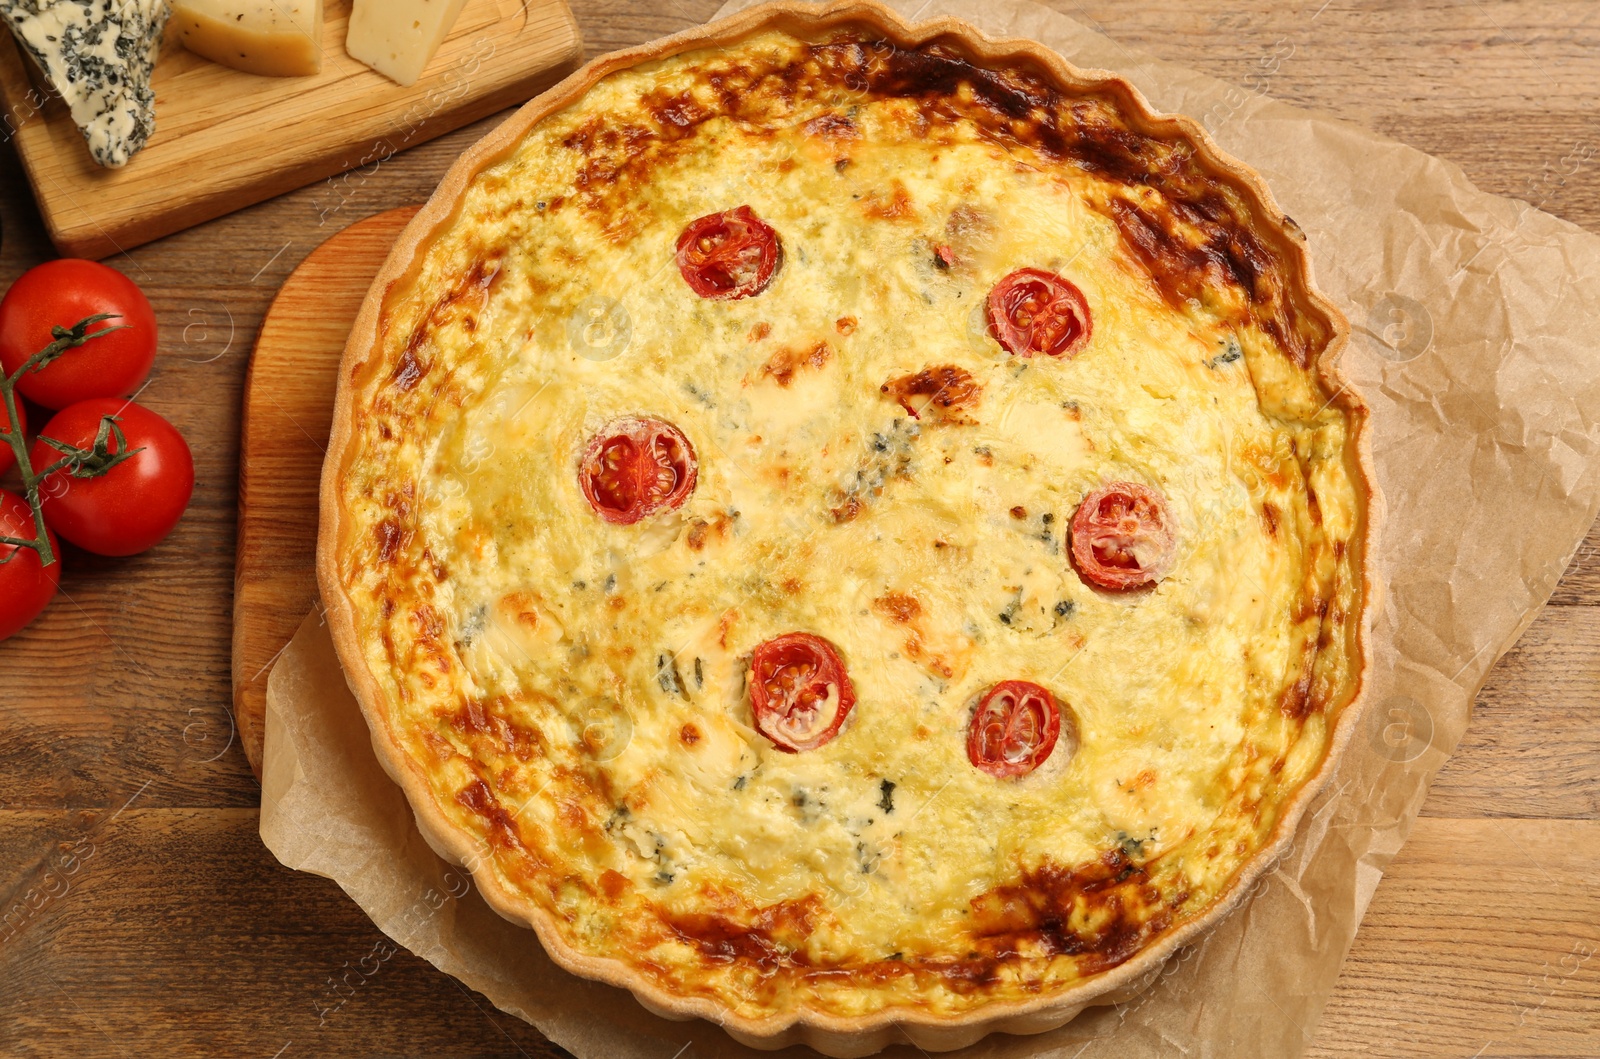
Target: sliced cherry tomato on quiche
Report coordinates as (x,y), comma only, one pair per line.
(729,255)
(1122,536)
(1014,729)
(637,466)
(26,585)
(135,503)
(61,294)
(8,457)
(799,691)
(1037,313)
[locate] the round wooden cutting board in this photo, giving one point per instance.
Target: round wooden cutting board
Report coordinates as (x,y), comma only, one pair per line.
(288,409)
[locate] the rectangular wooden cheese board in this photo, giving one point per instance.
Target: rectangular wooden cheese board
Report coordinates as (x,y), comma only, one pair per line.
(225,139)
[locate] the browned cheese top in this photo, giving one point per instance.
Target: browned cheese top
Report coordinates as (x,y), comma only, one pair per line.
(873,468)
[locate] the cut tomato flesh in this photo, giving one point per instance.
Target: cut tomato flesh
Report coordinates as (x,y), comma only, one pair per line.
(1013,729)
(800,693)
(1122,536)
(1033,312)
(730,255)
(637,467)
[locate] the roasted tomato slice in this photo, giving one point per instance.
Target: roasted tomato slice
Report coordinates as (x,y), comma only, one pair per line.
(729,255)
(1032,311)
(1013,729)
(636,467)
(799,691)
(1122,536)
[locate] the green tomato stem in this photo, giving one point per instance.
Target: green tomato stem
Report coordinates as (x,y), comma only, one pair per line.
(65,339)
(30,481)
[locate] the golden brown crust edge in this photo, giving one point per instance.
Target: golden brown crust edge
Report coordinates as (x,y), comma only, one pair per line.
(834,1035)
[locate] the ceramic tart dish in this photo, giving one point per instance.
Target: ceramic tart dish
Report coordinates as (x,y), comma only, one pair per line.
(852,530)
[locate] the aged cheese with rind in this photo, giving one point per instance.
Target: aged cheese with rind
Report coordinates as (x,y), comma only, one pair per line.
(275,38)
(398,38)
(98,54)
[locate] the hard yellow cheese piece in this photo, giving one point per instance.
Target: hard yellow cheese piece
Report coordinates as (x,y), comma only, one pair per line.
(397,38)
(278,38)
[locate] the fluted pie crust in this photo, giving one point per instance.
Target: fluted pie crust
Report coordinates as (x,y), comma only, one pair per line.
(564,699)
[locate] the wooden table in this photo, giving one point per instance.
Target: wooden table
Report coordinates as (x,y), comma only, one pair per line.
(144,917)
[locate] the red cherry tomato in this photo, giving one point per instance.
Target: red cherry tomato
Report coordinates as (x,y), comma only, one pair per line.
(59,294)
(133,506)
(26,585)
(1122,536)
(1014,729)
(799,691)
(8,458)
(1033,311)
(636,467)
(729,255)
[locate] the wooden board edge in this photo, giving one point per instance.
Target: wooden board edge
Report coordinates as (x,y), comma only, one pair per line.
(250,671)
(17,92)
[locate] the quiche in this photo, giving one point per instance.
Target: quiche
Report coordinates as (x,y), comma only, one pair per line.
(852,530)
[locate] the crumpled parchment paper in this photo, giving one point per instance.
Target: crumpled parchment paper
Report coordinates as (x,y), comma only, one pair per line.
(1475,320)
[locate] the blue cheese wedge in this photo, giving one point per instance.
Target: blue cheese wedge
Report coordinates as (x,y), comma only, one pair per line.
(98,54)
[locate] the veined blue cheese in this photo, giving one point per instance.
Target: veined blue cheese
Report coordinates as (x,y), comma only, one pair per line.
(98,54)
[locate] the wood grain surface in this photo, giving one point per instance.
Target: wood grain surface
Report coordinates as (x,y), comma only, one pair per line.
(140,915)
(230,139)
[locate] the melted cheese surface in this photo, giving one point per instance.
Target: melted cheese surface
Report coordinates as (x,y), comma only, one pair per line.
(576,690)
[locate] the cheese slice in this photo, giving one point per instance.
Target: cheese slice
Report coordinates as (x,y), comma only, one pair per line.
(98,54)
(397,38)
(277,38)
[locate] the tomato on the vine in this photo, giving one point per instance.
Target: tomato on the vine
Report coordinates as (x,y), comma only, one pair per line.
(60,294)
(26,585)
(132,506)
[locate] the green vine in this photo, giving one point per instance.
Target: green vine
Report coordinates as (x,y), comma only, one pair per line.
(80,463)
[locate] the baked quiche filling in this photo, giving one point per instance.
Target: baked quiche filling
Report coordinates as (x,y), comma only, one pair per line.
(845,529)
